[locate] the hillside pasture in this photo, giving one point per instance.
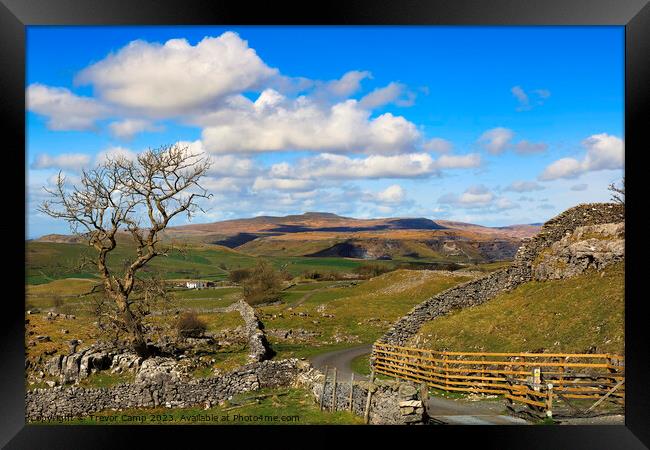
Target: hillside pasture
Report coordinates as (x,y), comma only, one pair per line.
(49,261)
(575,315)
(354,313)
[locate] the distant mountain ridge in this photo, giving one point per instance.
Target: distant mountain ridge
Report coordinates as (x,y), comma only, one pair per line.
(320,234)
(321,222)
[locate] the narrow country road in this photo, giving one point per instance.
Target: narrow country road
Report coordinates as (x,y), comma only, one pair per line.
(441,410)
(341,359)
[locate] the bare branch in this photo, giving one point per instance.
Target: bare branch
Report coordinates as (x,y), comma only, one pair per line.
(119,195)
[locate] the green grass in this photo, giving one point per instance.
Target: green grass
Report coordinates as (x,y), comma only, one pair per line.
(282,406)
(362,313)
(569,315)
(454,395)
(106,379)
(306,350)
(64,287)
(361,365)
(217,293)
(48,261)
(488,267)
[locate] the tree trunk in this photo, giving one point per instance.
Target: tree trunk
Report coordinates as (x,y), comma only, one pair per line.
(138,342)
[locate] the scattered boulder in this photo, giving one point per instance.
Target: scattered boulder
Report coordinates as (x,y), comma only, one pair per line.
(123,362)
(160,370)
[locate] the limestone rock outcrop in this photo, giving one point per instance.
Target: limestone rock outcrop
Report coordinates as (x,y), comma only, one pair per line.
(588,247)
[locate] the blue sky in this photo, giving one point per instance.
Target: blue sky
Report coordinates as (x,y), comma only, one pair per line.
(491,125)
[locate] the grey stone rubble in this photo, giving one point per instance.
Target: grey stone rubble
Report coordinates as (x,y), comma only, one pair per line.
(478,291)
(391,402)
(293,335)
(161,387)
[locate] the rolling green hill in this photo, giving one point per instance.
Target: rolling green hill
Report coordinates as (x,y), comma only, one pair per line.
(48,261)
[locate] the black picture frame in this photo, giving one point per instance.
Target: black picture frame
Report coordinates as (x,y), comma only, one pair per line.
(634,15)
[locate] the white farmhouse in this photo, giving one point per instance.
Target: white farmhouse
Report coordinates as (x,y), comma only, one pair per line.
(196,284)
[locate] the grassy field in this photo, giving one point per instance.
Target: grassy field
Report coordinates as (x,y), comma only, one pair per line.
(487,267)
(570,315)
(283,406)
(48,261)
(62,329)
(338,313)
(353,314)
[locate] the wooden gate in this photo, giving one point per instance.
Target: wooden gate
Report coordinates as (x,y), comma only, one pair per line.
(540,381)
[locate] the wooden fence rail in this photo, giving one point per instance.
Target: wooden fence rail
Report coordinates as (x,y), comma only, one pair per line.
(536,380)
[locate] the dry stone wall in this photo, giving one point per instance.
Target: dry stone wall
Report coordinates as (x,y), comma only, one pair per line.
(391,402)
(161,388)
(258,346)
(478,291)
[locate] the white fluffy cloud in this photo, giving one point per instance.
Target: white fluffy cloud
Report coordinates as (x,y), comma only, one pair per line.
(468,161)
(392,93)
(478,197)
(562,168)
(392,194)
(496,140)
(409,165)
(77,161)
(328,165)
(282,184)
(437,145)
(223,184)
(127,128)
(603,152)
(276,123)
(115,152)
(63,109)
(347,85)
(177,77)
(222,165)
(69,161)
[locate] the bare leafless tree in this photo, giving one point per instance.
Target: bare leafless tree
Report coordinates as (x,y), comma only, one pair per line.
(618,194)
(137,198)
